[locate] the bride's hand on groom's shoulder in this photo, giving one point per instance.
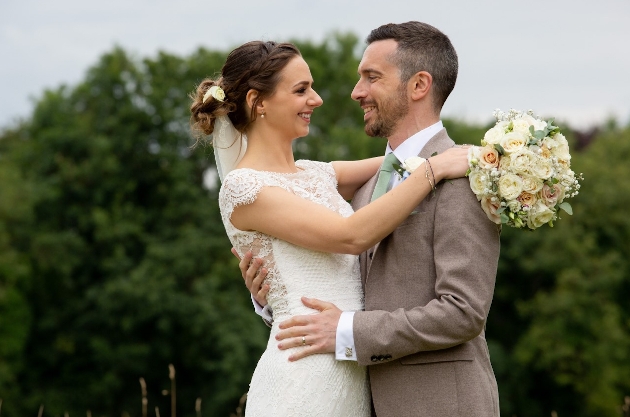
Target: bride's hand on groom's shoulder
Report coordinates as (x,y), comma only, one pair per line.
(313,333)
(253,274)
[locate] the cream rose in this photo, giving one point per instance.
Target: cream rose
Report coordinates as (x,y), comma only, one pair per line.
(488,158)
(531,184)
(521,161)
(539,215)
(561,151)
(541,168)
(411,164)
(478,182)
(490,208)
(510,186)
(514,141)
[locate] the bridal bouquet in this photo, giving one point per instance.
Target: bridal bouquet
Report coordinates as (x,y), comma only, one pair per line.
(522,172)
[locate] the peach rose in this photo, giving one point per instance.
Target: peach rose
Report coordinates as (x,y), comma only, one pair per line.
(490,208)
(488,158)
(527,199)
(551,195)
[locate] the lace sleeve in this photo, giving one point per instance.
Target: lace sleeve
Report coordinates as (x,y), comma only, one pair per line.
(239,187)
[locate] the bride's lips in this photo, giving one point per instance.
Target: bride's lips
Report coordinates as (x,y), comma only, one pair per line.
(306,116)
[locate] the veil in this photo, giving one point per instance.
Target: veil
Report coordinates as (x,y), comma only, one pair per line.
(229,145)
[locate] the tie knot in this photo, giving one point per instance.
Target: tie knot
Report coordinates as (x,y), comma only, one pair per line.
(388,163)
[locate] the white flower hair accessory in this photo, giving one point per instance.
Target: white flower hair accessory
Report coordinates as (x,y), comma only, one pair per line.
(216,92)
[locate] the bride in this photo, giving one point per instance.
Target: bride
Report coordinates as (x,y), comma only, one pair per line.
(294,215)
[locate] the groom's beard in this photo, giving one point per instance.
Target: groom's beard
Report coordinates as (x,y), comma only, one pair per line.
(388,114)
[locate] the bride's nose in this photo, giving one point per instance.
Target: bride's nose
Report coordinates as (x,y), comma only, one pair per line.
(315,100)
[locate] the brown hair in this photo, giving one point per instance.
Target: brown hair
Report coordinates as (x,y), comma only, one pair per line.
(256,66)
(421,47)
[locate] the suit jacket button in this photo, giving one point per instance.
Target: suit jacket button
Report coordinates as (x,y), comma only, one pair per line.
(380,357)
(374,358)
(388,357)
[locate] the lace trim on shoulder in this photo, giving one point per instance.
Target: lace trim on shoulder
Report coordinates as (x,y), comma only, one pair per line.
(323,167)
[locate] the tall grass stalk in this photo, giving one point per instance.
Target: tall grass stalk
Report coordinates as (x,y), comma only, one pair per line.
(145,402)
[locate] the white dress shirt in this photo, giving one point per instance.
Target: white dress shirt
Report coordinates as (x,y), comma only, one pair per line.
(345,349)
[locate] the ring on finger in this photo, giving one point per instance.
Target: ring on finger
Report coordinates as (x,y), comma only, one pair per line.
(303,340)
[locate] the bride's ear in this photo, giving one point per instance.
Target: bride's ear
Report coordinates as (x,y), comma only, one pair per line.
(252,99)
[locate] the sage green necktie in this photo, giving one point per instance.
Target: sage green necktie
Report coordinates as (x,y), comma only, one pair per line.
(385,175)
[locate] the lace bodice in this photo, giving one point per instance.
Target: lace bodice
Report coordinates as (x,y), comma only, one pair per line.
(318,385)
(293,271)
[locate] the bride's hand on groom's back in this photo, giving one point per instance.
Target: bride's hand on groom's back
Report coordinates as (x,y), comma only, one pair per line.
(313,333)
(253,274)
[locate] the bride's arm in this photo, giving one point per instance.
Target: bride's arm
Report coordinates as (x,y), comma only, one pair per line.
(351,175)
(279,213)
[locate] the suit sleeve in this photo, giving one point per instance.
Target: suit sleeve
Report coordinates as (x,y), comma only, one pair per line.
(465,253)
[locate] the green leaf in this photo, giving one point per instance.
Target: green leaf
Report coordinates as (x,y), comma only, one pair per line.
(567,207)
(504,218)
(499,149)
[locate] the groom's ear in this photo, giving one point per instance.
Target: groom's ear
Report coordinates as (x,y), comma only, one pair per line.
(420,85)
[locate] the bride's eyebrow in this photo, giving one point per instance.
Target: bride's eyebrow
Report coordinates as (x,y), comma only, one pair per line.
(302,84)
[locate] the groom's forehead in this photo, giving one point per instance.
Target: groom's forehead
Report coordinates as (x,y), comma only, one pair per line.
(378,56)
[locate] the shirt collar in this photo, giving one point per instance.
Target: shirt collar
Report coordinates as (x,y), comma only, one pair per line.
(413,145)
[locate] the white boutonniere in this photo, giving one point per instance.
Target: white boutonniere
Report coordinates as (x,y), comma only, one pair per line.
(409,166)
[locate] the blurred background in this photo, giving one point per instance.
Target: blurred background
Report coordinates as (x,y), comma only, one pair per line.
(114,263)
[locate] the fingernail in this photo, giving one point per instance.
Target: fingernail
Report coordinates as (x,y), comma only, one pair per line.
(280,346)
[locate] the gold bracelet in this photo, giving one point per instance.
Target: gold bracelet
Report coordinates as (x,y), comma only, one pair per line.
(432,174)
(426,174)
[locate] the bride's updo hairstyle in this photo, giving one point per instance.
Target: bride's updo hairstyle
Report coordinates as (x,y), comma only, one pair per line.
(256,66)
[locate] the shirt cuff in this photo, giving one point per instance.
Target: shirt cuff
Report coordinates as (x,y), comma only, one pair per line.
(345,350)
(265,312)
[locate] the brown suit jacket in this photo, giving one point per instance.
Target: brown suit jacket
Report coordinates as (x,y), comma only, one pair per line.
(428,289)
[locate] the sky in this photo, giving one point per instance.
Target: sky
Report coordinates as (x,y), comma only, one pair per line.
(568,59)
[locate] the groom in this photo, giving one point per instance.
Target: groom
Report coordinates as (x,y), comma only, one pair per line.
(428,285)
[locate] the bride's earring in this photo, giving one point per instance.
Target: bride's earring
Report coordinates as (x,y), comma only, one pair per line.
(262,115)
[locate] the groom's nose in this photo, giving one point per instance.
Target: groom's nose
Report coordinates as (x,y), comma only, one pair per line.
(358,92)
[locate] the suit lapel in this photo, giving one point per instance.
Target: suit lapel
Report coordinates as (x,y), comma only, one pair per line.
(438,143)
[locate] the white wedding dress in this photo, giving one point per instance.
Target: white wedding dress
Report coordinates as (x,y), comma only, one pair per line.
(317,385)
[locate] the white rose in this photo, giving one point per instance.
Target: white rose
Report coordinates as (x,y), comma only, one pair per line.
(520,125)
(531,184)
(411,164)
(514,141)
(522,161)
(478,182)
(541,168)
(510,186)
(539,215)
(561,139)
(494,135)
(539,124)
(561,151)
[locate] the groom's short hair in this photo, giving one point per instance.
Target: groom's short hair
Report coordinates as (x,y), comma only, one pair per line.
(421,47)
